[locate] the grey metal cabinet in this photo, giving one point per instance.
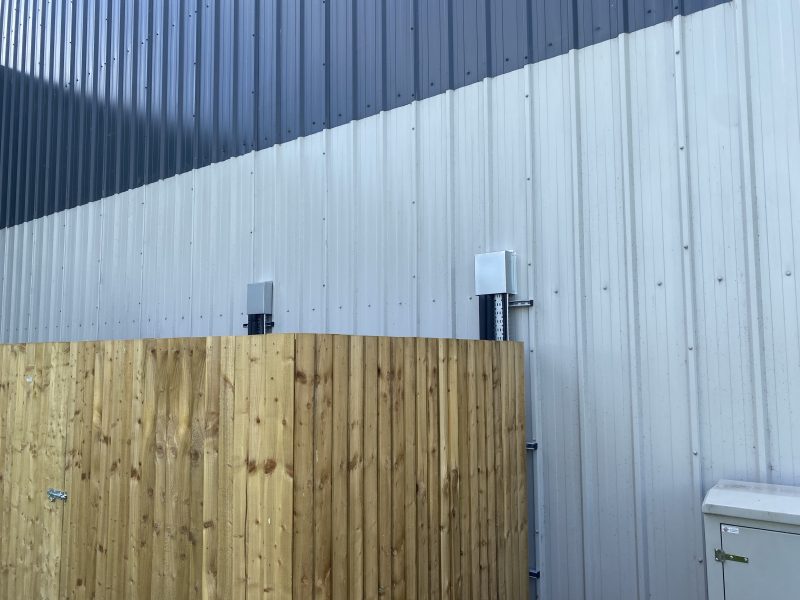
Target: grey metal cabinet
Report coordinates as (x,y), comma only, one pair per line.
(752,534)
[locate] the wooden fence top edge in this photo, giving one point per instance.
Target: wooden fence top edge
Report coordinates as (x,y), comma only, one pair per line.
(272,335)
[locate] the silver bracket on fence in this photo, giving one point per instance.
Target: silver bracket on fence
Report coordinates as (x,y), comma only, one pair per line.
(53,495)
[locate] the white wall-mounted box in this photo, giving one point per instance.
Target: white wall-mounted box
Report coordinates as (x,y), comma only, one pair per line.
(495,273)
(752,534)
(259,298)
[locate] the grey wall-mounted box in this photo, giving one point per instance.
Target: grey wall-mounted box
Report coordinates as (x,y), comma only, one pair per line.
(259,298)
(752,533)
(495,273)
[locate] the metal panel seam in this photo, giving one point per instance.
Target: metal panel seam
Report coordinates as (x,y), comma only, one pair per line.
(688,268)
(750,215)
(634,343)
(580,302)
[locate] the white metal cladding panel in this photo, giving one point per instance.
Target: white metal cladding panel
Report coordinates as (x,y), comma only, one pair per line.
(647,184)
(775,57)
(553,337)
(167,258)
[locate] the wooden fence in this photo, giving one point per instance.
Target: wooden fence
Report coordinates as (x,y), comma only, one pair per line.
(275,466)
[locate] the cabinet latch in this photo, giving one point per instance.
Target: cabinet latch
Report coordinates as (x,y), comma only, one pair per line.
(722,557)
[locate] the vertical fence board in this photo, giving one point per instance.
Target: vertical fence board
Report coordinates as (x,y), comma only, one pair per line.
(355,469)
(454,433)
(323,449)
(464,501)
(521,567)
(303,517)
(240,461)
(445,571)
(177,475)
(35,509)
(410,454)
(81,575)
(422,487)
(104,409)
(500,486)
(58,404)
(7,367)
(371,501)
(196,432)
(158,544)
(16,470)
(398,459)
(8,372)
(277,469)
(490,392)
(471,490)
(163,375)
(119,469)
(339,457)
(212,480)
(257,454)
(278,466)
(227,402)
(147,455)
(384,502)
(509,467)
(131,574)
(482,467)
(435,454)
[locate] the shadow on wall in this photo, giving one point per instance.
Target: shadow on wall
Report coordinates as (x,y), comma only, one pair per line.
(61,146)
(106,96)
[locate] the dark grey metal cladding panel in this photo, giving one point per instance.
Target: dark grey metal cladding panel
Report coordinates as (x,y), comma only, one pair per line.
(509,33)
(102,96)
(291,63)
(399,36)
(341,61)
(370,52)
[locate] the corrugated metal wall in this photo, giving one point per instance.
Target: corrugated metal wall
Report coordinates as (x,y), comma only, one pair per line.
(103,96)
(648,184)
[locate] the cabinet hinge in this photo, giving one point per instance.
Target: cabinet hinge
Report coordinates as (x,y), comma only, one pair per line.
(722,557)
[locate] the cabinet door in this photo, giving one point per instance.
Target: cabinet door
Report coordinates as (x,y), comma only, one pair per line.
(35,393)
(772,570)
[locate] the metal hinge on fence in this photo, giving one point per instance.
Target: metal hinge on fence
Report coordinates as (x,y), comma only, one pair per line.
(53,495)
(534,575)
(531,446)
(721,556)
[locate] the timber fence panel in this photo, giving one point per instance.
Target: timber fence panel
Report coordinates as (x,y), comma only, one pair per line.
(281,466)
